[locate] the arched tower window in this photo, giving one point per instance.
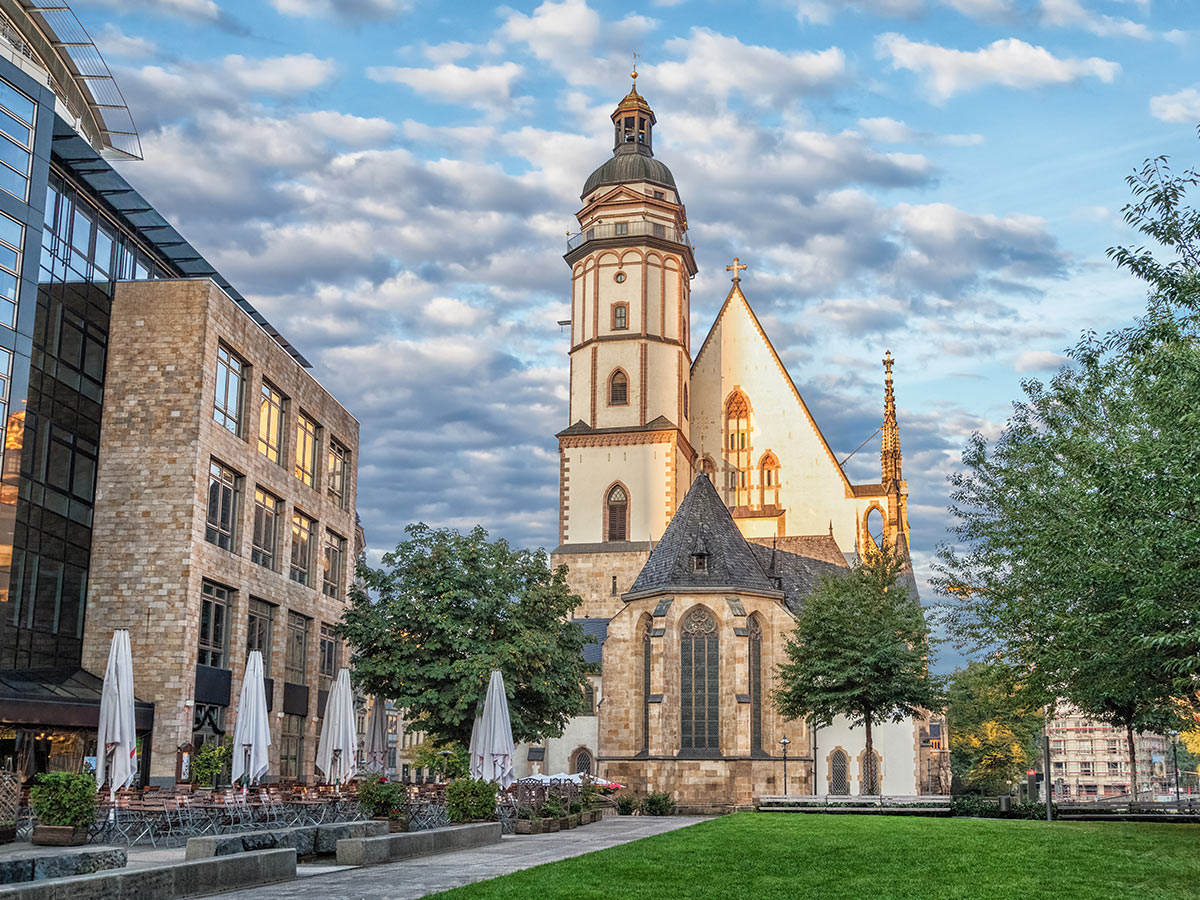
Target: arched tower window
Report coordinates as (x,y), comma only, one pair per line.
(869,784)
(617,514)
(839,773)
(646,661)
(618,389)
(700,676)
(754,630)
(686,414)
(768,479)
(709,468)
(589,699)
(737,447)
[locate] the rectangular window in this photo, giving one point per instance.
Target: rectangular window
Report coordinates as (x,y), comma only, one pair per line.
(291,750)
(330,659)
(306,449)
(1114,768)
(622,228)
(1114,747)
(1085,768)
(214,618)
(659,230)
(302,539)
(208,725)
(260,631)
(227,404)
(620,317)
(339,467)
(333,565)
(270,422)
(296,664)
(16,140)
(266,529)
(11,233)
(223,496)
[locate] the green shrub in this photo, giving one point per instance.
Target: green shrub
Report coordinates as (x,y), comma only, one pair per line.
(588,795)
(553,808)
(527,812)
(627,804)
(64,798)
(382,799)
(211,761)
(576,807)
(989,808)
(658,804)
(469,800)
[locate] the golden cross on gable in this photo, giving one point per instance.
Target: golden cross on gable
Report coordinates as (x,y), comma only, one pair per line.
(736,268)
(888,361)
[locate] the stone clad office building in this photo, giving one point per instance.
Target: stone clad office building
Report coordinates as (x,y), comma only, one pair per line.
(169,466)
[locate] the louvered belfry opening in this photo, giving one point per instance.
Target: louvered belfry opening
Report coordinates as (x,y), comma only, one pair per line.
(618,514)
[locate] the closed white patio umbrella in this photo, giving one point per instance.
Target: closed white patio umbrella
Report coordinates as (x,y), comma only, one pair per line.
(252,730)
(376,749)
(116,739)
(338,747)
(491,738)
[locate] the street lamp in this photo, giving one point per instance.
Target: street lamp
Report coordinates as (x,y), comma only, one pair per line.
(1175,745)
(783,742)
(445,755)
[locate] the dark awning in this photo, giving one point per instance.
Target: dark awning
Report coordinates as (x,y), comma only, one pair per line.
(65,698)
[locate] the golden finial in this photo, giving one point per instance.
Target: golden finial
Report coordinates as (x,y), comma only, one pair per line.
(633,74)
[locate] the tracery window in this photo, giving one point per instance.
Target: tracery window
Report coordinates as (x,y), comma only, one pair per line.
(583,762)
(754,630)
(869,785)
(699,705)
(618,389)
(839,773)
(617,512)
(646,659)
(737,447)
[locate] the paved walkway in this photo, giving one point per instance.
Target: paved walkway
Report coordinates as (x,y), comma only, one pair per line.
(429,874)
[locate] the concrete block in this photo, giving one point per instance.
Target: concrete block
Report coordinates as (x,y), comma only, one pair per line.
(16,869)
(149,884)
(370,851)
(299,839)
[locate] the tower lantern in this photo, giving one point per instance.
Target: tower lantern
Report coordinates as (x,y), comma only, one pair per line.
(633,122)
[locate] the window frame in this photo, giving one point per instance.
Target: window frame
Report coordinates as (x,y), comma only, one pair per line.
(216,604)
(620,317)
(298,626)
(271,404)
(333,587)
(699,682)
(337,456)
(300,569)
(610,509)
(260,554)
(310,438)
(260,630)
(613,382)
(228,484)
(231,421)
(329,656)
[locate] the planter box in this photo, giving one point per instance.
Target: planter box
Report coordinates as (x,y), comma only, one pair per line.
(549,825)
(8,834)
(59,835)
(573,820)
(529,826)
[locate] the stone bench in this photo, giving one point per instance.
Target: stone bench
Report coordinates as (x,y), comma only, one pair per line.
(370,851)
(38,865)
(306,840)
(185,879)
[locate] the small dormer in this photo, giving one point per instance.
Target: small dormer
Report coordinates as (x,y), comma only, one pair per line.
(700,557)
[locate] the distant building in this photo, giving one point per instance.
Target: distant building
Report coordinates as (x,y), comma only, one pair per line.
(169,464)
(1089,760)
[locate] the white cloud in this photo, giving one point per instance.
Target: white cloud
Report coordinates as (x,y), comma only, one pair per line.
(481,87)
(718,66)
(1009,62)
(347,9)
(1182,106)
(279,75)
(1071,13)
(892,131)
(1038,361)
(112,42)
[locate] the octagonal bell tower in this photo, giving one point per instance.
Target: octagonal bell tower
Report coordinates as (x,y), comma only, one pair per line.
(626,458)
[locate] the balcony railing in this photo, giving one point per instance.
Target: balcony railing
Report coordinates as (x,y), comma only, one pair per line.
(627,229)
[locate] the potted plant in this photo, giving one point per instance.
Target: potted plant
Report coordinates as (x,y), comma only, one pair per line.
(528,821)
(379,798)
(65,805)
(553,815)
(211,764)
(575,814)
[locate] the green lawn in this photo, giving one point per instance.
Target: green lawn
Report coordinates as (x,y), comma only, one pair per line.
(763,856)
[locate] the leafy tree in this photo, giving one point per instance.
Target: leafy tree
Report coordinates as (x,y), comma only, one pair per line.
(456,764)
(994,725)
(860,649)
(446,608)
(1078,528)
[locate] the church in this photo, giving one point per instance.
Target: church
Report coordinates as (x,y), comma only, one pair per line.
(699,505)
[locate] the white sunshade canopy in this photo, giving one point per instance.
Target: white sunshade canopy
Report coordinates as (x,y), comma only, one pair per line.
(116,738)
(337,750)
(491,737)
(376,737)
(252,731)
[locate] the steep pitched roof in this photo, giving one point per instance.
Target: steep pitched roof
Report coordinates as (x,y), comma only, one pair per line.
(702,524)
(814,546)
(795,574)
(597,628)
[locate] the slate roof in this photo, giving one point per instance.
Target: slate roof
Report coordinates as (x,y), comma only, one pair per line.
(814,546)
(625,168)
(702,523)
(597,628)
(797,575)
(581,427)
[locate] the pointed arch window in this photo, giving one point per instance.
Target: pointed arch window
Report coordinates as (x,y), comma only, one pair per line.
(686,414)
(700,675)
(737,447)
(839,773)
(646,660)
(768,479)
(618,389)
(754,631)
(869,784)
(617,514)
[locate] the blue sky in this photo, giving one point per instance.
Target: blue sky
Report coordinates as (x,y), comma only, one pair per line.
(390,182)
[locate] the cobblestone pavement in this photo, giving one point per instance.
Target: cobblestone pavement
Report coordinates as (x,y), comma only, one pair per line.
(430,874)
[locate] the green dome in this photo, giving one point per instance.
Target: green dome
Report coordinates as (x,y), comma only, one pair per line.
(624,168)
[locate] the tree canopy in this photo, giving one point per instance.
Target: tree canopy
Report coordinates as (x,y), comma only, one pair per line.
(994,726)
(1077,551)
(860,648)
(446,608)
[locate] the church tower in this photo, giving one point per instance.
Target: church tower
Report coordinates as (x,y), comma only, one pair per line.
(625,457)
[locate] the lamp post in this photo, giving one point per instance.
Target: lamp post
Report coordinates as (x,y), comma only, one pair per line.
(445,755)
(783,742)
(1175,747)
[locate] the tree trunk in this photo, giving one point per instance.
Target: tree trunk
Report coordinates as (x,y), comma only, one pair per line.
(1132,760)
(870,774)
